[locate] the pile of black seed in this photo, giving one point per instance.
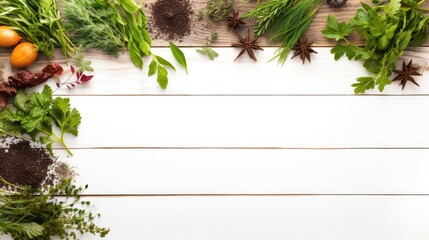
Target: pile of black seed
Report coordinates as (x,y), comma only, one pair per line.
(23,163)
(171,19)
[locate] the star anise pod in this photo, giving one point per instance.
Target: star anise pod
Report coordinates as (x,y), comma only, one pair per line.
(303,49)
(247,44)
(234,21)
(406,74)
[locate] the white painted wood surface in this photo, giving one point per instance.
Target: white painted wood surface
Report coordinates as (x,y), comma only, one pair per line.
(253,121)
(239,171)
(223,153)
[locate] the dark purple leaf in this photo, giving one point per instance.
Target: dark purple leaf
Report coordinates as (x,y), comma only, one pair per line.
(86,78)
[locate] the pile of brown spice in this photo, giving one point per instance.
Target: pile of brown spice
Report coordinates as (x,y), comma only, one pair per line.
(23,163)
(171,19)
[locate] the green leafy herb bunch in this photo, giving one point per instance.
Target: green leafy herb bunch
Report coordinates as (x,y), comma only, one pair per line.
(387,29)
(36,115)
(283,21)
(39,214)
(40,22)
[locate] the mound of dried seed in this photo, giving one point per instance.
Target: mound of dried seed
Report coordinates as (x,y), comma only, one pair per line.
(23,163)
(172,18)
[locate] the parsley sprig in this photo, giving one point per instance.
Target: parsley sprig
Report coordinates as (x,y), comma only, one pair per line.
(388,29)
(37,113)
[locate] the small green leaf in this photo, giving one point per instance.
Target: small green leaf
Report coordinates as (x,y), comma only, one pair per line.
(152,68)
(129,6)
(382,81)
(403,40)
(20,100)
(135,55)
(363,84)
(179,56)
(209,52)
(164,62)
(372,65)
(337,30)
(162,77)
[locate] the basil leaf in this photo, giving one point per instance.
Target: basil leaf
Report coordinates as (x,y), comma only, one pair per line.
(164,62)
(162,77)
(152,68)
(179,56)
(135,55)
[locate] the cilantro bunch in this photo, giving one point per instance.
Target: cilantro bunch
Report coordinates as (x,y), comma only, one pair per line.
(37,113)
(388,29)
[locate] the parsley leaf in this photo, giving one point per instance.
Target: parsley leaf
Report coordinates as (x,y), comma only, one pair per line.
(388,29)
(351,51)
(337,30)
(364,83)
(35,115)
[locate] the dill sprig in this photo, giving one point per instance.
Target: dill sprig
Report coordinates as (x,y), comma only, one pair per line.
(93,30)
(110,26)
(283,21)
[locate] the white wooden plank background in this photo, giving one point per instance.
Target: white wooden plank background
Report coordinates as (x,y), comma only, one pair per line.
(253,121)
(251,171)
(224,151)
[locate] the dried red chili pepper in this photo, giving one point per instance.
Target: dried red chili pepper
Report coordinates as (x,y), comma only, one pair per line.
(26,79)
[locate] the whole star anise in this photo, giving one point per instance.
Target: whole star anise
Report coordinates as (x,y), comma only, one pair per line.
(234,21)
(247,44)
(303,49)
(406,74)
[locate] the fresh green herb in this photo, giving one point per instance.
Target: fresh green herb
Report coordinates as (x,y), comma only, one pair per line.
(159,65)
(113,26)
(218,10)
(34,214)
(35,115)
(387,30)
(38,21)
(283,21)
(109,26)
(80,62)
(179,56)
(200,15)
(208,52)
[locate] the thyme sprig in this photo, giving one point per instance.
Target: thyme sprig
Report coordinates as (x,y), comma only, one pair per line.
(27,213)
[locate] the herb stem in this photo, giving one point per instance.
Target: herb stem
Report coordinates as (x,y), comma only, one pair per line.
(422,9)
